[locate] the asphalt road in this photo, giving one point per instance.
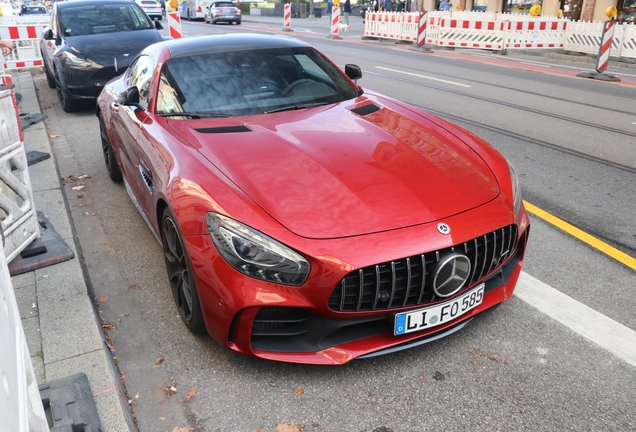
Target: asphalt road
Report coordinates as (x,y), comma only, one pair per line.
(572,142)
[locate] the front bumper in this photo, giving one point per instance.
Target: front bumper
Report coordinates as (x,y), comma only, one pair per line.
(297,324)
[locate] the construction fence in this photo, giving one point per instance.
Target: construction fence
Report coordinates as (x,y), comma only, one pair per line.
(500,32)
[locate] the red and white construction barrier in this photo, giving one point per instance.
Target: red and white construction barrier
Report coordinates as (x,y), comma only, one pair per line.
(174,25)
(27,52)
(335,22)
(287,17)
(535,34)
(606,45)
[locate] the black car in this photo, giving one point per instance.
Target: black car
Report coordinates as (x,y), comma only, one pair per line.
(91,41)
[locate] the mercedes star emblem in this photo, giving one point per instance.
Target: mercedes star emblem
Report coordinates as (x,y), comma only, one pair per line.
(443,228)
(451,274)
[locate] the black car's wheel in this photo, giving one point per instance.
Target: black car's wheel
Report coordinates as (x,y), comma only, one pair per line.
(66,100)
(109,157)
(180,274)
(238,22)
(50,79)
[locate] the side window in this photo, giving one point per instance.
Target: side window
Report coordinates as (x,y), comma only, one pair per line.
(140,75)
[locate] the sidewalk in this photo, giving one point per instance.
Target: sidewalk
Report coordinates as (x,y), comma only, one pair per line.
(61,325)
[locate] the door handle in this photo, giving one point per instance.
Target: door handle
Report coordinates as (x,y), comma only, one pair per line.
(115,106)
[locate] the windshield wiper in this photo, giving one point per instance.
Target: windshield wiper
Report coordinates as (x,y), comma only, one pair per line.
(296,107)
(195,114)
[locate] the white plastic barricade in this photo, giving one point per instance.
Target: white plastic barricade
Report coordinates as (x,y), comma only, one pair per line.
(18,218)
(535,34)
(287,17)
(585,37)
(21,407)
(626,37)
(35,20)
(471,34)
(26,39)
(409,26)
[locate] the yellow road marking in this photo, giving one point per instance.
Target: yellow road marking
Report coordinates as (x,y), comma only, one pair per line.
(583,236)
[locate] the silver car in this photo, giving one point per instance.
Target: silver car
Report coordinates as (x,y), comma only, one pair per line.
(152,8)
(222,11)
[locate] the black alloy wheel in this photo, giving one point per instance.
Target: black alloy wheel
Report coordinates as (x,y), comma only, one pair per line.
(180,274)
(109,157)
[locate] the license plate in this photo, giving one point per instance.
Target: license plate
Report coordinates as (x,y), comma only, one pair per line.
(442,313)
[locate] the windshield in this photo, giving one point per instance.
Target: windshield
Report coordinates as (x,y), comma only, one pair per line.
(104,18)
(251,82)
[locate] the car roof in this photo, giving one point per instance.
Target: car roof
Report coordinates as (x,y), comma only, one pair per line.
(184,47)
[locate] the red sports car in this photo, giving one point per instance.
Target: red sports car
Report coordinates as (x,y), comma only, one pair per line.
(303,218)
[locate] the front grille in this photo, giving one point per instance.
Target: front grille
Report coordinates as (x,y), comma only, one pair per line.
(409,281)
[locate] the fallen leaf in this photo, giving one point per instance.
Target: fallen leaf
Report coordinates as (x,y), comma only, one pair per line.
(159,361)
(137,396)
(133,287)
(54,136)
(287,428)
(162,418)
(109,326)
(104,299)
(422,380)
(298,390)
(272,383)
(80,187)
(191,394)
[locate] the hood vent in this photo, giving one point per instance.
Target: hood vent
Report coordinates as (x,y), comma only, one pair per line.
(224,129)
(366,109)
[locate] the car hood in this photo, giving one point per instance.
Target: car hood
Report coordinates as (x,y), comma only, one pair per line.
(328,172)
(103,48)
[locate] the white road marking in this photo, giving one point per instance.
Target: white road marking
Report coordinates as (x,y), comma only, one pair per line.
(593,325)
(423,76)
(534,63)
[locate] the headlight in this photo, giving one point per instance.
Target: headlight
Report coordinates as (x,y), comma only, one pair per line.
(255,254)
(516,191)
(72,60)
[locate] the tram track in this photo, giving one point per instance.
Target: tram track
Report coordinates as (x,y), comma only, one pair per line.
(515,106)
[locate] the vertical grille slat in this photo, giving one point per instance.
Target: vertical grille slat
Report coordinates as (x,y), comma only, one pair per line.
(395,284)
(408,282)
(393,277)
(360,289)
(377,286)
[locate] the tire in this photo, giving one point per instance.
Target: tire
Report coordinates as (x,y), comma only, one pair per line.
(109,156)
(180,274)
(238,22)
(66,100)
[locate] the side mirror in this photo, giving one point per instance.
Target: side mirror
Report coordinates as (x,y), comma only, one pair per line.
(158,25)
(129,97)
(48,34)
(353,72)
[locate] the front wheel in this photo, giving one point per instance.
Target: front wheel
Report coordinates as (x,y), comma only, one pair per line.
(180,274)
(238,22)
